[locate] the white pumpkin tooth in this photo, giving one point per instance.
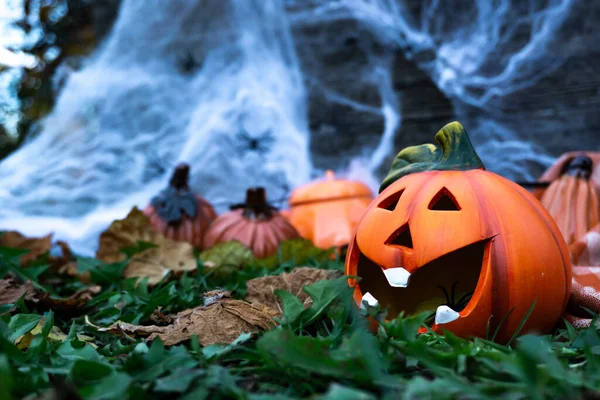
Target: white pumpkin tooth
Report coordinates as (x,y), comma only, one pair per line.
(445,314)
(397,277)
(371,301)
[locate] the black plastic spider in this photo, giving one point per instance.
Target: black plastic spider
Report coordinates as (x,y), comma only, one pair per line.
(156,165)
(188,63)
(260,144)
(451,301)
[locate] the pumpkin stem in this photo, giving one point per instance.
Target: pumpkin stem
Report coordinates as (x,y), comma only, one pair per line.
(176,201)
(256,205)
(454,151)
(580,167)
(180,177)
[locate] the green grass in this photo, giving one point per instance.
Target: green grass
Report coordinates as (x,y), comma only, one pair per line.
(323,352)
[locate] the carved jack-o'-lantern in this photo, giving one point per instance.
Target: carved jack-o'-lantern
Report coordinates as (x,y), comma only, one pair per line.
(447,236)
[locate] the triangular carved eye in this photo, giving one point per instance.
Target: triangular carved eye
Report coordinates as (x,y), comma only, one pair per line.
(391,202)
(401,237)
(444,201)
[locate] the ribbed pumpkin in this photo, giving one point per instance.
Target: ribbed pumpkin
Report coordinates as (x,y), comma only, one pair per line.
(446,236)
(180,214)
(327,211)
(255,223)
(573,198)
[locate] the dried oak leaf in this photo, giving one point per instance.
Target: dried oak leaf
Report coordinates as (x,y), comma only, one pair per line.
(221,321)
(262,290)
(154,263)
(37,246)
(11,290)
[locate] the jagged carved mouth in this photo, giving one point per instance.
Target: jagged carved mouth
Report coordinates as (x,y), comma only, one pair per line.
(444,286)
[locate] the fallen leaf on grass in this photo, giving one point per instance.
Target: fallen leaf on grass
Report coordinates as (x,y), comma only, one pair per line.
(262,290)
(37,246)
(297,251)
(215,295)
(78,299)
(161,318)
(226,257)
(221,321)
(59,254)
(55,335)
(123,233)
(11,290)
(154,263)
(61,259)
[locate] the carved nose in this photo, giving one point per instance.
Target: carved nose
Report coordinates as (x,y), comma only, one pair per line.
(401,237)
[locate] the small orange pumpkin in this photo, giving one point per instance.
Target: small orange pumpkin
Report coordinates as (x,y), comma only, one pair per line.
(327,211)
(573,198)
(447,236)
(255,223)
(180,214)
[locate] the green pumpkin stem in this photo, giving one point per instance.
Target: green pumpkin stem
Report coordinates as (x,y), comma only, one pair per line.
(454,152)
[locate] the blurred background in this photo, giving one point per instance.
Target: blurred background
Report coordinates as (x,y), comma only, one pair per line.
(99,99)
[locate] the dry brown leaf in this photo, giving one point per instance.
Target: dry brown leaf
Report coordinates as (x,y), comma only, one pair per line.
(55,335)
(11,290)
(76,300)
(161,318)
(123,233)
(37,246)
(65,262)
(262,290)
(221,321)
(155,263)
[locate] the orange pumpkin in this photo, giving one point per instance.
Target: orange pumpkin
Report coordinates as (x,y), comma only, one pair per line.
(449,237)
(255,223)
(328,210)
(180,214)
(573,198)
